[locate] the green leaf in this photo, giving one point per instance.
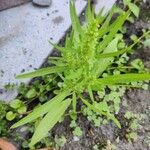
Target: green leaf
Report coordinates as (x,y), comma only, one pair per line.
(135,9)
(43,109)
(68,42)
(128,115)
(102,106)
(22,109)
(48,122)
(16,103)
(75,74)
(77,132)
(133,37)
(74,102)
(100,17)
(124,78)
(41,72)
(138,64)
(134,125)
(58,63)
(126,2)
(61,49)
(105,27)
(10,116)
(91,94)
(133,135)
(31,93)
(129,48)
(74,18)
(113,54)
(88,13)
(100,111)
(60,142)
(147,43)
(102,64)
(120,80)
(115,27)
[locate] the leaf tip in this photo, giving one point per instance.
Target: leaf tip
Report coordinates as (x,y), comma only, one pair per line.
(13,126)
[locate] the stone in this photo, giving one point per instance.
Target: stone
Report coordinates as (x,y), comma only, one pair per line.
(75,139)
(42,2)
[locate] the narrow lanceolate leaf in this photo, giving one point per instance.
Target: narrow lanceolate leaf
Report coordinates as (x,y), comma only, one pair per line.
(68,42)
(48,122)
(74,18)
(61,49)
(88,13)
(102,64)
(113,54)
(134,8)
(41,72)
(124,78)
(58,63)
(91,94)
(74,102)
(100,17)
(101,112)
(115,28)
(105,27)
(41,110)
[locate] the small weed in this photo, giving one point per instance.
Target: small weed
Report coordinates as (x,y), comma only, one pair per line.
(134,125)
(92,69)
(60,142)
(85,67)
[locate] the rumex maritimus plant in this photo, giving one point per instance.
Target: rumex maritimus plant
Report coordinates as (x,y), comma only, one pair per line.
(89,51)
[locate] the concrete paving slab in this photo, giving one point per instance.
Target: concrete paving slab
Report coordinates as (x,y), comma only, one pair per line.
(106,4)
(24,35)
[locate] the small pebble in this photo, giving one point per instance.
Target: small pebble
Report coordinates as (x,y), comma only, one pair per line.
(43,3)
(75,139)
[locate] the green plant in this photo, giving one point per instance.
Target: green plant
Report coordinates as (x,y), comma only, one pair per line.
(60,141)
(89,52)
(18,106)
(133,125)
(76,129)
(6,115)
(3,110)
(133,7)
(146,42)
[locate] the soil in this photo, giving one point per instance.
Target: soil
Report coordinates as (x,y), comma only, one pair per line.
(138,103)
